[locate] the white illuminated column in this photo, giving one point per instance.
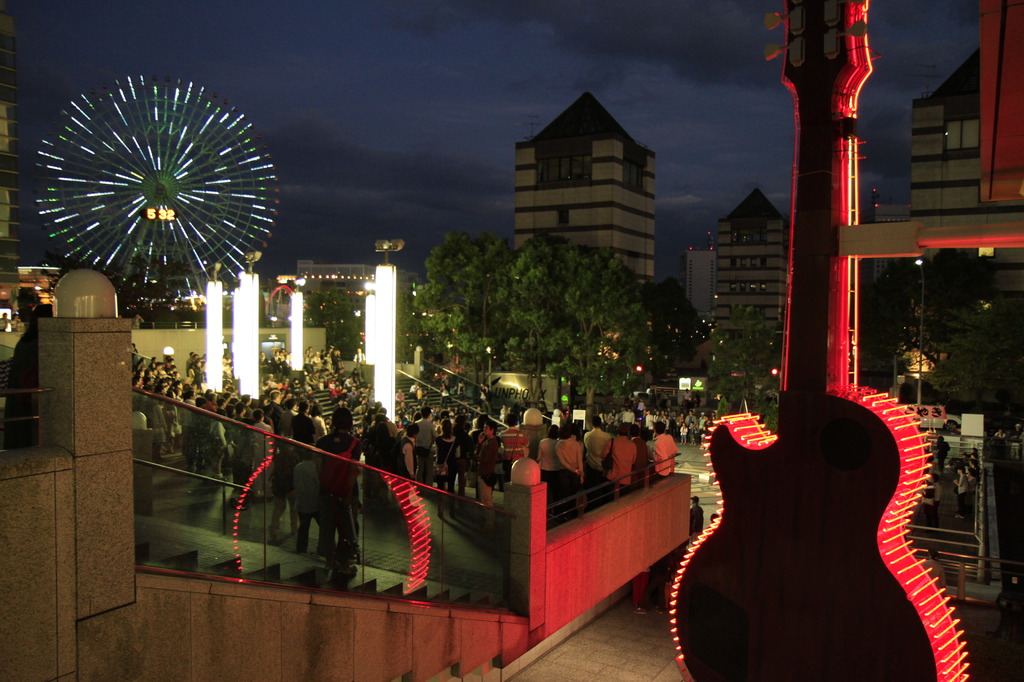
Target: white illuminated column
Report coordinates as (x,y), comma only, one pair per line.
(384,338)
(370,336)
(245,338)
(298,360)
(214,335)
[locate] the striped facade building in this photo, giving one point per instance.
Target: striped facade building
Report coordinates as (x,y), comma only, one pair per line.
(9,281)
(584,178)
(753,254)
(946,170)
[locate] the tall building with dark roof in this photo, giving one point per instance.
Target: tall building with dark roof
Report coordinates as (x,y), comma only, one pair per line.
(584,178)
(752,258)
(9,280)
(946,169)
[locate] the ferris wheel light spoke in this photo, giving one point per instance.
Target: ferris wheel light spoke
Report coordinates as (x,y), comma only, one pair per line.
(152,145)
(81,111)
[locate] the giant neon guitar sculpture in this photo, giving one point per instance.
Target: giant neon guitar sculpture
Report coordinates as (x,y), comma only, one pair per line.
(807,574)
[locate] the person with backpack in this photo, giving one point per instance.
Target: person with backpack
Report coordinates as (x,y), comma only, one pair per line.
(341,496)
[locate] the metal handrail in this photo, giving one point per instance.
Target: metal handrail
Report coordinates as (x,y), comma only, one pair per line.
(448,371)
(7,392)
(298,444)
(431,387)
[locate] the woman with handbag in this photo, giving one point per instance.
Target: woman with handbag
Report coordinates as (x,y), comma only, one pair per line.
(446,447)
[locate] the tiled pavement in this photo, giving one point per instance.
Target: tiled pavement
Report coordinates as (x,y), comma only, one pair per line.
(622,645)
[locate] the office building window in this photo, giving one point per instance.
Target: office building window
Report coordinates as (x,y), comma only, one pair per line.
(564,168)
(632,174)
(963,134)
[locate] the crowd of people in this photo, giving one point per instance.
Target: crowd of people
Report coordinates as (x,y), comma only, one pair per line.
(966,470)
(451,447)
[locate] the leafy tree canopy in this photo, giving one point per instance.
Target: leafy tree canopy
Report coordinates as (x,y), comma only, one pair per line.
(891,306)
(676,329)
(985,351)
(743,357)
(462,299)
(333,310)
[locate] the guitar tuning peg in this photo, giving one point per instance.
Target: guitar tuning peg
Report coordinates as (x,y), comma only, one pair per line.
(831,39)
(795,18)
(795,50)
(832,12)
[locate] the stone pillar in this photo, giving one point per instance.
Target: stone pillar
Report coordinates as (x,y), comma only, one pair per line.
(527,498)
(87,365)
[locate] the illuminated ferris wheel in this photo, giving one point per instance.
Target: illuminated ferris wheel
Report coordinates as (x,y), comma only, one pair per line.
(153,172)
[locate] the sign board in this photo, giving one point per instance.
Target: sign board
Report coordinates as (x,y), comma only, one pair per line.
(691,383)
(931,416)
(579,415)
(972,425)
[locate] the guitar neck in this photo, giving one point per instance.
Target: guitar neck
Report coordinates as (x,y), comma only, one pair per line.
(827,64)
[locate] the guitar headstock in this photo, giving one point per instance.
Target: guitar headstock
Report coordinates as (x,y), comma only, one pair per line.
(825,49)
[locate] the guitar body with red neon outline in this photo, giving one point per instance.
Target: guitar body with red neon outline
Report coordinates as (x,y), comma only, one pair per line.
(807,574)
(791,585)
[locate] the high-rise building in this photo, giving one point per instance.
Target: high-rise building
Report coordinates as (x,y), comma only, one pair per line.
(9,280)
(946,172)
(699,269)
(584,178)
(752,257)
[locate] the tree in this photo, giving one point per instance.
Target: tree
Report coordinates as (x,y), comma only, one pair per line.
(743,359)
(953,280)
(534,308)
(332,309)
(675,327)
(602,331)
(462,299)
(986,350)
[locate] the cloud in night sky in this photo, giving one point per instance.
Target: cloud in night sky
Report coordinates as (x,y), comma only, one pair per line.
(398,119)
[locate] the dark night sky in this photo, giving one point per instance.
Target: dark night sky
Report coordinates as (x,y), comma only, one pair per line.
(398,118)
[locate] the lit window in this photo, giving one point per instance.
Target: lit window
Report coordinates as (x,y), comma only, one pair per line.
(963,134)
(564,168)
(632,174)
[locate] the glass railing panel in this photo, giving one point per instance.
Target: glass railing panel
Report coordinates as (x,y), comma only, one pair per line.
(218,497)
(429,544)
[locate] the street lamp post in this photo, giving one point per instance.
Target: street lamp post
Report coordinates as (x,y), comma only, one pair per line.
(920,336)
(489,365)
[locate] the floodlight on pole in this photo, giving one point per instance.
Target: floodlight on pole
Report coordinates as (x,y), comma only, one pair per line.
(297,341)
(384,337)
(920,336)
(384,307)
(214,334)
(245,333)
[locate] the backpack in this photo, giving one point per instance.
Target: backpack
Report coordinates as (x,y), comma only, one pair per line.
(396,465)
(338,475)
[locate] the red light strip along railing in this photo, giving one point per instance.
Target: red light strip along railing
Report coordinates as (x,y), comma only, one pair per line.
(413,508)
(417,522)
